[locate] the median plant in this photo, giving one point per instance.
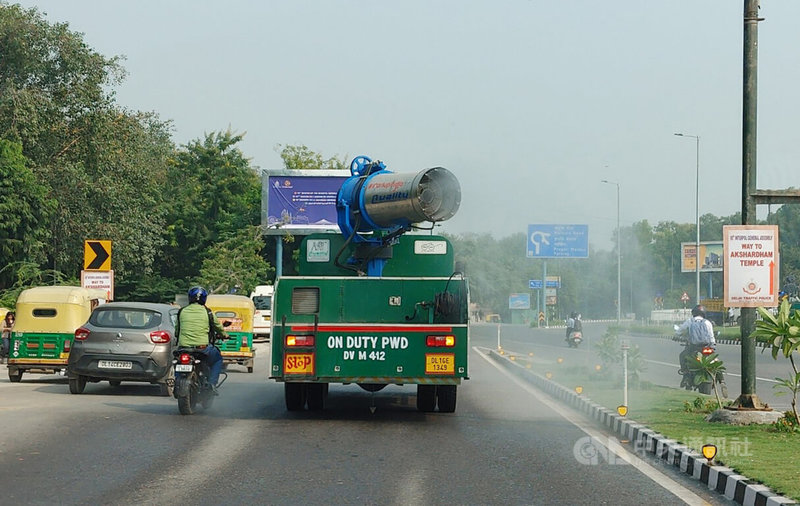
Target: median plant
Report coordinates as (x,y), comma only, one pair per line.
(708,368)
(608,348)
(782,332)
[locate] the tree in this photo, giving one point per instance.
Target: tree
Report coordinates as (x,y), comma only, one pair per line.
(24,208)
(303,158)
(102,166)
(236,263)
(214,193)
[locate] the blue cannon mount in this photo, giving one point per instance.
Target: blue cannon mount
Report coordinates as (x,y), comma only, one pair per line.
(375,206)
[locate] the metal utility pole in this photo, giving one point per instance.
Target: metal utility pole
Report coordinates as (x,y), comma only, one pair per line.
(748,397)
(751,196)
(696,215)
(619,257)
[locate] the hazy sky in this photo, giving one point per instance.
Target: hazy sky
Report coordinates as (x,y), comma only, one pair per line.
(530,103)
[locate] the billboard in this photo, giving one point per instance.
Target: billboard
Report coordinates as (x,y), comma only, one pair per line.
(711,256)
(519,301)
(300,201)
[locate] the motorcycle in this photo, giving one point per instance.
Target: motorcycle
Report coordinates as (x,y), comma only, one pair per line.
(575,338)
(688,374)
(192,383)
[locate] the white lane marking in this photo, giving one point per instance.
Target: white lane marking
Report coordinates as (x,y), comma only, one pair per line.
(212,454)
(661,479)
(726,372)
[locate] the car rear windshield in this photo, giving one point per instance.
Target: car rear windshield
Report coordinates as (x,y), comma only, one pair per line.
(262,302)
(125,318)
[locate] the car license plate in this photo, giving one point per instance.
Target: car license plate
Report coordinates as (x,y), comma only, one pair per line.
(183,367)
(440,363)
(114,364)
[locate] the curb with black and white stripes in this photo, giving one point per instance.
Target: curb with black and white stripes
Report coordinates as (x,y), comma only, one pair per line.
(724,480)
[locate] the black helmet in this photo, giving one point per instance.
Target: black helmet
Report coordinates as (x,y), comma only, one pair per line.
(197,294)
(699,310)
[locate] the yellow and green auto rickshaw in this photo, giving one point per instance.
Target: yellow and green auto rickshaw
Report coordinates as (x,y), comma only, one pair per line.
(46,320)
(238,310)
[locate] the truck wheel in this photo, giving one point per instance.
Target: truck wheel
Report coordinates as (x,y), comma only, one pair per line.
(446,395)
(16,376)
(77,384)
(295,394)
(426,398)
(317,394)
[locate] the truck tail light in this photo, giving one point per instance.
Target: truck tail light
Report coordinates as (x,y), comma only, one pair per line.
(301,340)
(81,334)
(160,337)
(447,341)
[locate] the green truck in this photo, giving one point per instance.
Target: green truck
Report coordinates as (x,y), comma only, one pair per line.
(392,311)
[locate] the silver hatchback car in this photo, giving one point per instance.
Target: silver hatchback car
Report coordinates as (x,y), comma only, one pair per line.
(124,341)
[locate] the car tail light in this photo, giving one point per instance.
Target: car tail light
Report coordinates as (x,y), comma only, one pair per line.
(447,341)
(708,350)
(81,334)
(160,336)
(294,340)
(185,358)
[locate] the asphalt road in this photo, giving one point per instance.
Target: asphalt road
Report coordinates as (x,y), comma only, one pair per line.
(661,356)
(506,444)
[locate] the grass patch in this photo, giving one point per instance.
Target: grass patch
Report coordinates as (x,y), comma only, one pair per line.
(764,453)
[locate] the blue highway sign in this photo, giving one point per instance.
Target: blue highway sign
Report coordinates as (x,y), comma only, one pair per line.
(558,241)
(535,284)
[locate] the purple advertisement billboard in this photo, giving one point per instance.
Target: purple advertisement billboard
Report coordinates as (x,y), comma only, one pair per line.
(307,202)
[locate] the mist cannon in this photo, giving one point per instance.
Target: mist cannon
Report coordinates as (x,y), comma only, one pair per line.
(374,206)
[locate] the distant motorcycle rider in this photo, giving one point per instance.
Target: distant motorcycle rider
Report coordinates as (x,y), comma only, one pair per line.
(194,328)
(698,332)
(573,324)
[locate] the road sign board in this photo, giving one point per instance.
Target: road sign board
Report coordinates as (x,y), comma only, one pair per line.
(519,301)
(103,280)
(97,255)
(535,284)
(558,241)
(751,265)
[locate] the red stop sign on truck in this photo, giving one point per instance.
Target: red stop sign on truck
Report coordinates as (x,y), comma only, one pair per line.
(298,363)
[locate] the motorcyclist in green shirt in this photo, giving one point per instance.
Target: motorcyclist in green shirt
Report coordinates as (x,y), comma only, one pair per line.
(194,328)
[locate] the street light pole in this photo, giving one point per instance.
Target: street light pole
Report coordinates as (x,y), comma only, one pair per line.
(696,212)
(619,255)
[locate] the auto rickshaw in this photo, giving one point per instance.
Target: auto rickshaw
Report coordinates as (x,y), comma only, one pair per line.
(238,310)
(46,320)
